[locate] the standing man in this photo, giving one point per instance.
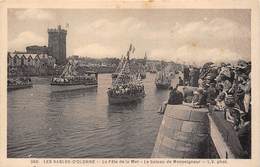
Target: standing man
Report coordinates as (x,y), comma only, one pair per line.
(186,75)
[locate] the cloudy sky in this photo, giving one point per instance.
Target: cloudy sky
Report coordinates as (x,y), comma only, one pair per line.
(172,34)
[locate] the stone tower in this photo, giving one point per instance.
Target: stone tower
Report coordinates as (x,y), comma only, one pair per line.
(57,44)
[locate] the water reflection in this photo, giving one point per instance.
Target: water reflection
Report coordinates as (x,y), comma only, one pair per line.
(124,120)
(133,106)
(73,93)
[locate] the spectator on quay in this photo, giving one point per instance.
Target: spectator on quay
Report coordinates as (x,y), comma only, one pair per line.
(247,97)
(175,98)
(211,94)
(186,73)
(180,81)
(188,93)
(232,112)
(199,98)
(231,93)
(227,88)
(194,77)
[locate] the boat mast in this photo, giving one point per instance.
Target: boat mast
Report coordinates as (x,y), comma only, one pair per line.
(120,64)
(126,68)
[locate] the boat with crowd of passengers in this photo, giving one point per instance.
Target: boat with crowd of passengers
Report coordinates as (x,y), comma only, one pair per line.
(19,83)
(127,87)
(70,79)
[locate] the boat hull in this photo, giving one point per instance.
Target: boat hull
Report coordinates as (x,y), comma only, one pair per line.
(16,87)
(62,88)
(125,99)
(162,86)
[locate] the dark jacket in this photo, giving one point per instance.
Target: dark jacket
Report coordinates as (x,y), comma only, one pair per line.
(176,97)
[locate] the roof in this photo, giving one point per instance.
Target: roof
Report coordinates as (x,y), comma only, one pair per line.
(27,55)
(20,55)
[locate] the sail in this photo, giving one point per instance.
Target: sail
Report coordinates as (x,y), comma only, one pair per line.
(69,70)
(159,75)
(124,76)
(65,70)
(127,72)
(120,65)
(163,77)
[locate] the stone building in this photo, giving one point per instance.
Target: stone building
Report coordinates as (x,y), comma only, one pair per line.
(57,44)
(29,64)
(35,49)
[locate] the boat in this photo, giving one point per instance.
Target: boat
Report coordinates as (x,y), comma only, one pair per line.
(127,87)
(19,83)
(162,80)
(142,72)
(126,99)
(71,80)
(138,70)
(153,69)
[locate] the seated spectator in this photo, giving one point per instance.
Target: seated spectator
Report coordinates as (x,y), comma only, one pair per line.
(211,94)
(175,98)
(199,98)
(188,94)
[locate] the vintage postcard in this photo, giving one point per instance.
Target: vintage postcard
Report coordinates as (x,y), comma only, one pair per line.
(137,83)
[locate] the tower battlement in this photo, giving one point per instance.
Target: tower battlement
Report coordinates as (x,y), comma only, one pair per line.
(57,30)
(57,44)
(54,30)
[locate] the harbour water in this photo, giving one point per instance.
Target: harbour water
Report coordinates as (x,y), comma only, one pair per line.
(81,124)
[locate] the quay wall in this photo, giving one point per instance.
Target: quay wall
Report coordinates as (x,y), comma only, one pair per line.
(187,132)
(184,133)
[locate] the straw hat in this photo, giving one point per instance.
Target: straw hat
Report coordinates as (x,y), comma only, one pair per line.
(241,64)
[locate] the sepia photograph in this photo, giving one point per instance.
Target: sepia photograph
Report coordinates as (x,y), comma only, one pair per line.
(129,83)
(132,83)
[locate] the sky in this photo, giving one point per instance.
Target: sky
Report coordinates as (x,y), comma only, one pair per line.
(181,35)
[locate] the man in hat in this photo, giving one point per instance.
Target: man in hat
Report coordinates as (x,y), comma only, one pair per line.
(211,93)
(175,98)
(186,74)
(194,77)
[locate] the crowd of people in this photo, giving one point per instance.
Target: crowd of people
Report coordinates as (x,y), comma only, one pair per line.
(227,88)
(73,79)
(130,89)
